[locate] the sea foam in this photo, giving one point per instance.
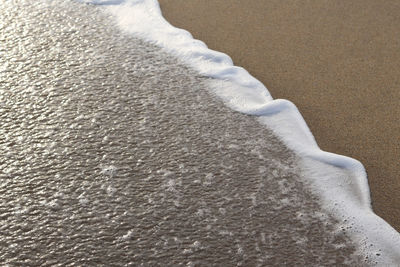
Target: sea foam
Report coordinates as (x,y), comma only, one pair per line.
(340,181)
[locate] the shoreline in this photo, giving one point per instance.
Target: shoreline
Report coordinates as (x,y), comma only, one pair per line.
(122,157)
(331,70)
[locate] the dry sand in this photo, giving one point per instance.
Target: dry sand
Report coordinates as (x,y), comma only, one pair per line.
(338,61)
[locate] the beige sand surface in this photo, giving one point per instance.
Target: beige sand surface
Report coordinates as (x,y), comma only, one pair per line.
(338,61)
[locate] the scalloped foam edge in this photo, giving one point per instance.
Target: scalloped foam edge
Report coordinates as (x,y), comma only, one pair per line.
(340,181)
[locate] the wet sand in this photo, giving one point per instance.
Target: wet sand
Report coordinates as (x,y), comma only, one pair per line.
(338,61)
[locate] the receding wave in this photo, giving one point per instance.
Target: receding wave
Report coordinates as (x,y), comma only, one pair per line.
(340,181)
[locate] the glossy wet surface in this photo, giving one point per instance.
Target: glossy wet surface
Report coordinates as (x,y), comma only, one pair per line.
(114,154)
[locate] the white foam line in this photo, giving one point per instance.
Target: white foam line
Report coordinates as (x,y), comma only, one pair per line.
(341,181)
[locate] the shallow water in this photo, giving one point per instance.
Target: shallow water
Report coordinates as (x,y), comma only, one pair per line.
(113,153)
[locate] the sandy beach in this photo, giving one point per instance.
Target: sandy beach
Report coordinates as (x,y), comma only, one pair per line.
(337,61)
(117,155)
